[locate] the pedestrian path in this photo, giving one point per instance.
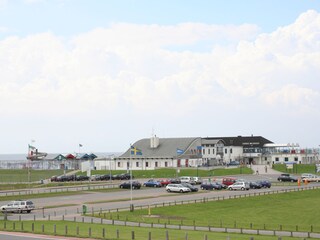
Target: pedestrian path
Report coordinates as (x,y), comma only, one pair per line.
(264,170)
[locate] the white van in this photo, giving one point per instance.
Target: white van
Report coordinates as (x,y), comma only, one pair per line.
(18,206)
(186,179)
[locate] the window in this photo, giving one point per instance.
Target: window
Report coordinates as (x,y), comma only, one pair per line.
(166,164)
(208,150)
(277,159)
(230,150)
(204,152)
(286,159)
(213,151)
(119,164)
(296,159)
(225,151)
(156,164)
(137,164)
(147,164)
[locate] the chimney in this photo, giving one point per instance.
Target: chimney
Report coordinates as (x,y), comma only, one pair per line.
(154,142)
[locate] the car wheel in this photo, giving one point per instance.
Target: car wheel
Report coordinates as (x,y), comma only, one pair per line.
(121,186)
(292,180)
(133,187)
(168,190)
(28,211)
(202,188)
(242,189)
(181,191)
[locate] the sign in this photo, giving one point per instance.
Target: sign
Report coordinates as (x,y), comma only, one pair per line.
(289,166)
(318,167)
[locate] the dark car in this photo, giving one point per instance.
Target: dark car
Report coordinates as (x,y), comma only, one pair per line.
(285,177)
(135,185)
(192,188)
(211,186)
(106,177)
(174,180)
(152,183)
(265,183)
(255,185)
(233,163)
(123,176)
(82,178)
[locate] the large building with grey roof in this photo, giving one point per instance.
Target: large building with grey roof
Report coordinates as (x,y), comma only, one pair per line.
(209,151)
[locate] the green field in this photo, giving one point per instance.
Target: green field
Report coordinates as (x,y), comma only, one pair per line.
(286,211)
(22,175)
(292,211)
(297,168)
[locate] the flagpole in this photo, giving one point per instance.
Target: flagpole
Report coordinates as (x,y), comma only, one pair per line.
(130,165)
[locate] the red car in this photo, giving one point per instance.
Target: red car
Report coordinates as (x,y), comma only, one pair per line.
(165,182)
(228,181)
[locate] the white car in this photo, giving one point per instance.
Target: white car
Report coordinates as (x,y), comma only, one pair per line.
(177,188)
(239,186)
(18,206)
(186,179)
(312,178)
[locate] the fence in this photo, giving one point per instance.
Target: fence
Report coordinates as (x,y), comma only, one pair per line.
(116,232)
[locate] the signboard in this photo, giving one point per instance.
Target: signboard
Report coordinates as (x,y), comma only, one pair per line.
(318,167)
(289,166)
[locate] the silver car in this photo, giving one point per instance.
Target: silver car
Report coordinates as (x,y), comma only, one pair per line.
(239,186)
(177,188)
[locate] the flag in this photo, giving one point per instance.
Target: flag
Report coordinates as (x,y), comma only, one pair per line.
(135,151)
(179,151)
(80,145)
(31,147)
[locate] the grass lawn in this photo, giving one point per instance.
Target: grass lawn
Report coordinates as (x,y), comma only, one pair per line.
(290,210)
(297,168)
(21,175)
(124,233)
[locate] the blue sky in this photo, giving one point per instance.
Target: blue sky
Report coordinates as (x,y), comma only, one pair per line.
(76,16)
(108,73)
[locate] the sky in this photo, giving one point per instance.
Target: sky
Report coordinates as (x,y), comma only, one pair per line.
(105,74)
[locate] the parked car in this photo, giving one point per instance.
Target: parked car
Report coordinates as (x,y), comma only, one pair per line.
(165,182)
(82,178)
(233,163)
(312,178)
(255,185)
(228,181)
(187,179)
(106,177)
(18,206)
(239,186)
(127,185)
(175,180)
(123,176)
(192,187)
(285,177)
(197,180)
(306,175)
(211,186)
(177,188)
(265,183)
(152,183)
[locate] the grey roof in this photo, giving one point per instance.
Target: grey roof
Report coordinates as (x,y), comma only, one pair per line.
(167,147)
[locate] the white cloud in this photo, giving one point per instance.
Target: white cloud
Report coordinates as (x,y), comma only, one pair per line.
(158,69)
